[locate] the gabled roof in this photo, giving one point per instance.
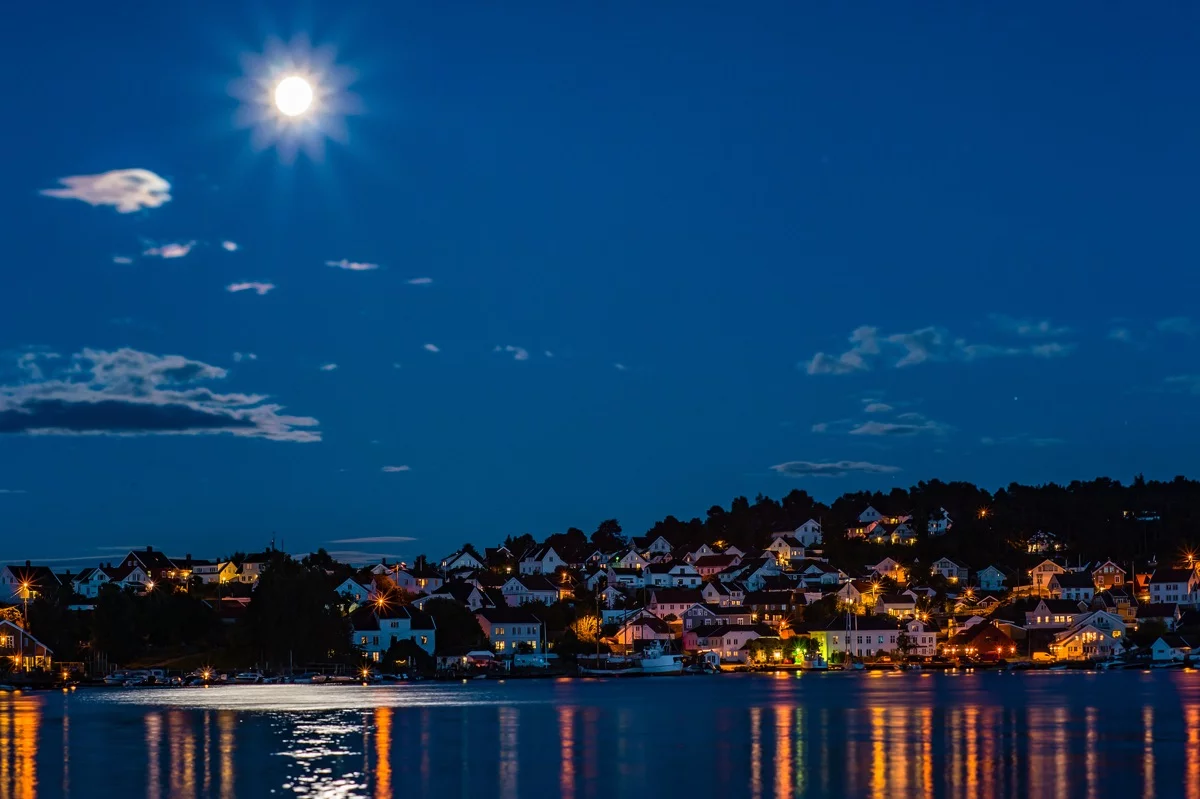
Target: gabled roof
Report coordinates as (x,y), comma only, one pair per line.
(677,596)
(715,561)
(1073,580)
(151,558)
(503,614)
(367,617)
(897,599)
(40,578)
(862,623)
(953,562)
(1060,605)
(533,582)
(1171,576)
(719,630)
(1156,610)
(458,590)
(1177,641)
(653,622)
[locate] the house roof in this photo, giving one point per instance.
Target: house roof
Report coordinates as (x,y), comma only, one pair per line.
(1061,605)
(151,558)
(1171,576)
(653,622)
(717,562)
(535,582)
(897,599)
(956,563)
(719,630)
(504,614)
(862,623)
(1073,580)
(978,634)
(368,616)
(719,587)
(39,577)
(459,590)
(790,540)
(677,596)
(1177,641)
(1156,610)
(754,598)
(730,611)
(1109,563)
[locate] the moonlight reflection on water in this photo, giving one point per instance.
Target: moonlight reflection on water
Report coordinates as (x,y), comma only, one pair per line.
(974,735)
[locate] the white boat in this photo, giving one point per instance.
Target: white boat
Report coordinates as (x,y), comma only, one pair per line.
(248,678)
(7,689)
(655,660)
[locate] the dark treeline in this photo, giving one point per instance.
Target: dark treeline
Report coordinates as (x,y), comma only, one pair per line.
(295,616)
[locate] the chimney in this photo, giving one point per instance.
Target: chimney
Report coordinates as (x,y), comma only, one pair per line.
(28,565)
(149,549)
(188,557)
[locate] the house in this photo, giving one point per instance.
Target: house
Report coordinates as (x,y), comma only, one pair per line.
(754,574)
(939,523)
(1041,574)
(1096,635)
(462,559)
(88,582)
(818,572)
(375,627)
(677,575)
(672,601)
(1108,575)
(890,568)
(1165,613)
(772,607)
(629,578)
(727,640)
(642,628)
(809,534)
(732,615)
(900,605)
(1077,586)
(155,564)
(1042,542)
(1052,614)
(610,596)
(697,616)
(215,571)
(466,594)
(23,650)
(922,638)
(861,636)
(722,594)
(984,641)
(692,555)
(512,630)
(524,589)
(632,559)
(541,560)
(253,567)
(711,565)
(1118,601)
(858,592)
(786,548)
(952,570)
(132,577)
(356,591)
(1178,586)
(419,579)
(1169,647)
(652,546)
(18,583)
(991,579)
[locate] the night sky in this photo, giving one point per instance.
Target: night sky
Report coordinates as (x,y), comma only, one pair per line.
(525,266)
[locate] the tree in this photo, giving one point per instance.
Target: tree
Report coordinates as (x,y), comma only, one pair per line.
(585,628)
(905,643)
(457,628)
(405,654)
(520,544)
(607,537)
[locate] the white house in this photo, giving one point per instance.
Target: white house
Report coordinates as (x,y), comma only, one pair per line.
(215,571)
(629,578)
(642,628)
(1176,586)
(462,559)
(1042,542)
(672,601)
(673,575)
(939,522)
(902,605)
(632,559)
(376,627)
(1096,635)
(786,548)
(991,579)
(727,640)
(18,583)
(1077,586)
(466,594)
(809,534)
(1171,647)
(513,630)
(252,568)
(890,567)
(922,637)
(952,570)
(543,560)
(702,551)
(723,594)
(868,636)
(88,582)
(652,547)
(858,592)
(1051,614)
(524,589)
(355,590)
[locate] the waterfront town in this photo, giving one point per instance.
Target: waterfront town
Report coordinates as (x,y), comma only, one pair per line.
(888,588)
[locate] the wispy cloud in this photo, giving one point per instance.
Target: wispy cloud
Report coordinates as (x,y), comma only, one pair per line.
(877,407)
(1029,328)
(122,259)
(1177,325)
(131,393)
(353,266)
(375,539)
(238,357)
(328,367)
(911,427)
(1022,440)
(173,250)
(831,468)
(396,365)
(432,348)
(127,190)
(258,288)
(549,354)
(230,246)
(518,353)
(620,367)
(394,469)
(1189,383)
(13,491)
(820,427)
(927,344)
(420,281)
(1120,334)
(29,363)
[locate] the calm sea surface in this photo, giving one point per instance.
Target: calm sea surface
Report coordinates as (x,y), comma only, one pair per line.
(980,736)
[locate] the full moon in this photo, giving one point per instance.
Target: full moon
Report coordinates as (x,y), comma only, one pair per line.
(293,96)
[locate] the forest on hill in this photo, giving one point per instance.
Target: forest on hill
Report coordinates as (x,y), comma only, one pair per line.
(1095,520)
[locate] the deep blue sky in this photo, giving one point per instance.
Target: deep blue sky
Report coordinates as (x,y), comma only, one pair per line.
(707,196)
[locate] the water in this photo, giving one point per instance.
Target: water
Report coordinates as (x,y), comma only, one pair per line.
(1057,735)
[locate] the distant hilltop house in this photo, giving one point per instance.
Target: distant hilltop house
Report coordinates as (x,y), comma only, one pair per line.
(19,583)
(1042,542)
(897,529)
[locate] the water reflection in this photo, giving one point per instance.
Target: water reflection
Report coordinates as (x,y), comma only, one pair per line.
(974,737)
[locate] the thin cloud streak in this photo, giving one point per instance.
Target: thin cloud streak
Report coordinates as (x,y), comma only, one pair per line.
(258,288)
(172,250)
(352,266)
(394,469)
(831,468)
(375,539)
(432,348)
(328,367)
(420,281)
